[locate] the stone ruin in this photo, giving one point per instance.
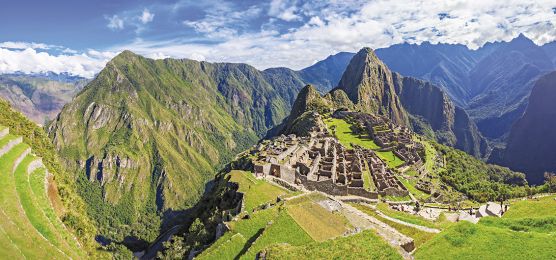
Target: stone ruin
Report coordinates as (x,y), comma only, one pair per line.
(320,162)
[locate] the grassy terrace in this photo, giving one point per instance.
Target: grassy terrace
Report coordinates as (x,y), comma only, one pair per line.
(257,192)
(526,231)
(13,221)
(478,241)
(346,138)
(319,223)
(365,245)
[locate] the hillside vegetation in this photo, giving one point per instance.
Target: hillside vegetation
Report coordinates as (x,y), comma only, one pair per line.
(63,207)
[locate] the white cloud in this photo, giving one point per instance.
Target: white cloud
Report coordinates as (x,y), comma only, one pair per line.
(32,61)
(223,22)
(285,10)
(25,45)
(333,26)
(146,16)
(115,23)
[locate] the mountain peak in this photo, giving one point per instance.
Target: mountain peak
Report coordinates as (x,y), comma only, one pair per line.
(521,41)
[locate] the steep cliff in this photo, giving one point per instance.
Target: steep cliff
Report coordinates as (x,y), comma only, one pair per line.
(369,85)
(532,141)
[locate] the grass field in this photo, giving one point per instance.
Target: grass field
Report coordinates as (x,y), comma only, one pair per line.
(542,207)
(365,245)
(419,237)
(319,223)
(346,138)
(257,192)
(465,240)
(282,230)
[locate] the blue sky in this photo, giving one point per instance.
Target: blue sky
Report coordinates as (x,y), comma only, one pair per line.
(80,36)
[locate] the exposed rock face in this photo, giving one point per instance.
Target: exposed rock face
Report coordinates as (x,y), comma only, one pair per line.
(305,112)
(532,142)
(450,123)
(368,83)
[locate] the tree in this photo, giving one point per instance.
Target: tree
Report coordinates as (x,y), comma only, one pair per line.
(550,181)
(174,249)
(197,235)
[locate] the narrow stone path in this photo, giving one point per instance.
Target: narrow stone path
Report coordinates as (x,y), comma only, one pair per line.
(401,242)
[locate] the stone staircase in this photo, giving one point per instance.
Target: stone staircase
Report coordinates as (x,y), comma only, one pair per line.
(29,225)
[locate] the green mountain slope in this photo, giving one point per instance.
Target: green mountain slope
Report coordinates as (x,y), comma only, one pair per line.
(146,135)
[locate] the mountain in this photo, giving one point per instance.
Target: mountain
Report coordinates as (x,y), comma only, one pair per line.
(531,143)
(501,83)
(145,135)
(39,96)
(326,73)
(445,65)
(491,83)
(369,85)
(373,88)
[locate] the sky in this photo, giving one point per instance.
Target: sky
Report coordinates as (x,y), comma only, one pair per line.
(79,36)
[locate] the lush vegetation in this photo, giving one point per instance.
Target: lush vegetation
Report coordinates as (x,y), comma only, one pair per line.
(73,213)
(365,245)
(478,180)
(256,192)
(465,240)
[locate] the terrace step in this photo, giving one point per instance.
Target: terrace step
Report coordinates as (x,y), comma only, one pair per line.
(13,220)
(33,210)
(38,183)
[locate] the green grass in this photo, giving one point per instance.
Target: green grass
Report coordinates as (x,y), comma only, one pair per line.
(32,211)
(368,183)
(542,207)
(318,222)
(282,230)
(410,185)
(36,181)
(6,139)
(419,237)
(228,249)
(465,240)
(346,138)
(365,245)
(13,220)
(256,192)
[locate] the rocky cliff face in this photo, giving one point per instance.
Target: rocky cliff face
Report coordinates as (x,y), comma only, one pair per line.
(450,123)
(369,85)
(153,132)
(532,141)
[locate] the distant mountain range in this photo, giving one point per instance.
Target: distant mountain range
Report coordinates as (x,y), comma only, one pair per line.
(491,83)
(369,86)
(40,96)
